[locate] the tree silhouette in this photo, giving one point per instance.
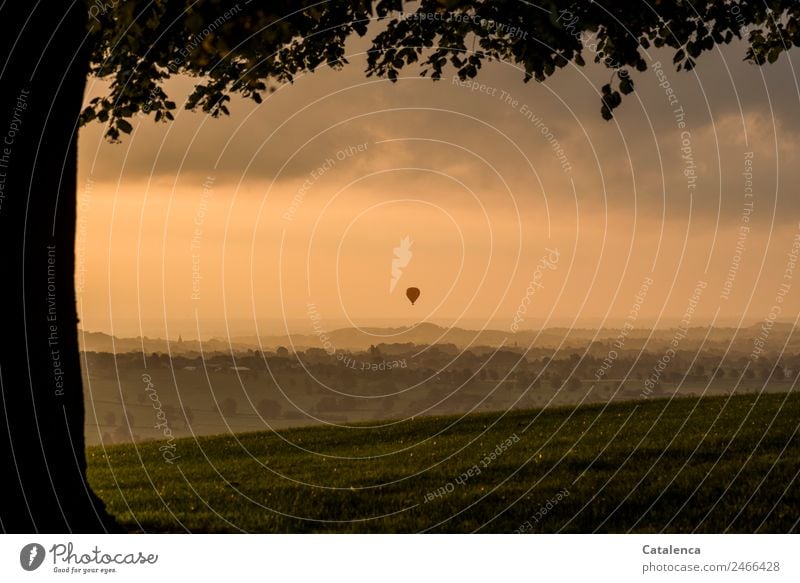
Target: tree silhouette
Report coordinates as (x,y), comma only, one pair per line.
(268,409)
(574,383)
(243,49)
(228,407)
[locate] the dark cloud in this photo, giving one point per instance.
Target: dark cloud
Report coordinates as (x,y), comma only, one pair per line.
(730,107)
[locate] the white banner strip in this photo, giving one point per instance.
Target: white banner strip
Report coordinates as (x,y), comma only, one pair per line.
(399,558)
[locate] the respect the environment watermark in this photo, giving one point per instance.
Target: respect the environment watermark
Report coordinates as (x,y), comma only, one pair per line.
(744,227)
(53,340)
(526,111)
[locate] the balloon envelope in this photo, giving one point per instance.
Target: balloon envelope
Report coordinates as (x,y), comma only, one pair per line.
(412,294)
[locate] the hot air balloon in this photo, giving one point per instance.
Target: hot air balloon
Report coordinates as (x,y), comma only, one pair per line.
(412,294)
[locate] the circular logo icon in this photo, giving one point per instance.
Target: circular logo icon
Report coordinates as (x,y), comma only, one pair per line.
(31,556)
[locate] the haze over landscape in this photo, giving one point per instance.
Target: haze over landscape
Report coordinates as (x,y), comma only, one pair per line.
(221,227)
(531,227)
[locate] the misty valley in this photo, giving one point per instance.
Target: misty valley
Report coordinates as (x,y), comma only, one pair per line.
(143,396)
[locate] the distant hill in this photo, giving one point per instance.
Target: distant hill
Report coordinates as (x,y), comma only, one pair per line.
(779,338)
(102,342)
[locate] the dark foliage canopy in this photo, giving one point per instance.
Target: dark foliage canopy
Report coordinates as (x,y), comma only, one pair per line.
(249,47)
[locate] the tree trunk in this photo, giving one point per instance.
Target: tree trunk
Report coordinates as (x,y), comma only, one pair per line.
(44,63)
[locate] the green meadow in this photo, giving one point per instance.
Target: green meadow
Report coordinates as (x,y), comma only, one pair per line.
(713,464)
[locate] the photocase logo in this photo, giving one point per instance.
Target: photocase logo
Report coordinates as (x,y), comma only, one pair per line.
(31,556)
(401,259)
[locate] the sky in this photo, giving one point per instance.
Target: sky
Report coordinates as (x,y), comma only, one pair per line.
(524,207)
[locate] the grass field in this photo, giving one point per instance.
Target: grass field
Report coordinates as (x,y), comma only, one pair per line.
(713,464)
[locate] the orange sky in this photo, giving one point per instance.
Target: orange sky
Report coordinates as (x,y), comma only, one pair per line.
(226,223)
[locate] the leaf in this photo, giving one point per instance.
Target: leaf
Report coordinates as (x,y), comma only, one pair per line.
(773,54)
(626,85)
(124,125)
(88,114)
